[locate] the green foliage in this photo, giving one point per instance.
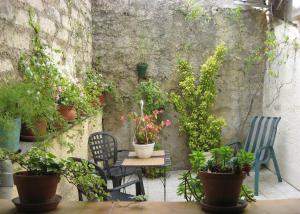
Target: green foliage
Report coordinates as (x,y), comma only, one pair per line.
(190,187)
(191,10)
(195,100)
(154,98)
(223,160)
(9,105)
(38,161)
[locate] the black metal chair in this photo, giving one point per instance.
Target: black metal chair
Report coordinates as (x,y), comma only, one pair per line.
(114,193)
(104,148)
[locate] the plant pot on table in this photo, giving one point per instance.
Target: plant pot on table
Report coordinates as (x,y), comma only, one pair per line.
(222,189)
(40,132)
(143,150)
(67,112)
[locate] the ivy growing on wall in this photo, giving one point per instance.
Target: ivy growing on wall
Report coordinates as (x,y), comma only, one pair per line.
(195,100)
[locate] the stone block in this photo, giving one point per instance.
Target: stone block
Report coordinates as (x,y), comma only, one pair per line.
(5,65)
(37,4)
(63,35)
(6,10)
(53,13)
(63,6)
(47,25)
(66,22)
(17,39)
(22,18)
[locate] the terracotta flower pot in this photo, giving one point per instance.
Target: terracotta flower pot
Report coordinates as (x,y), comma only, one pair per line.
(222,189)
(67,112)
(27,134)
(36,189)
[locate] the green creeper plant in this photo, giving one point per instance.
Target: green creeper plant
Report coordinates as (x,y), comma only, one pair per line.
(195,99)
(154,98)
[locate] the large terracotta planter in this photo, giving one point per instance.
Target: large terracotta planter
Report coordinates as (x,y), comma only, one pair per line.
(67,112)
(36,189)
(143,150)
(222,189)
(27,134)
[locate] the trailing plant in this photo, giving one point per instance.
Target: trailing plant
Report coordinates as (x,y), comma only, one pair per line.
(195,99)
(223,160)
(152,95)
(40,162)
(272,52)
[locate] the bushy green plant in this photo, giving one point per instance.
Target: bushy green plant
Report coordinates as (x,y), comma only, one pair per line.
(154,98)
(195,100)
(223,160)
(37,161)
(9,105)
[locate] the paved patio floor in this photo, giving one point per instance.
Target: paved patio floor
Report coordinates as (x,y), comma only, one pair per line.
(270,188)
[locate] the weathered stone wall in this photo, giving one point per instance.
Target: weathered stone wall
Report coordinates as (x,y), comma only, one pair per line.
(121,28)
(65,26)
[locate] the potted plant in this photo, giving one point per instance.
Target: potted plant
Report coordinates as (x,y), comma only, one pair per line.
(221,178)
(38,111)
(37,185)
(69,97)
(146,132)
(10,116)
(142,66)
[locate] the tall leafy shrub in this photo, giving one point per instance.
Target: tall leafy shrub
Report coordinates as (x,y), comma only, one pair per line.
(195,100)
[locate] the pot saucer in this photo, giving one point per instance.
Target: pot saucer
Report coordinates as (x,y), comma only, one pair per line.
(38,207)
(241,205)
(31,138)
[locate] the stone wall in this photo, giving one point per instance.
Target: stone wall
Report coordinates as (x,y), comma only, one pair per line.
(120,30)
(282,98)
(65,26)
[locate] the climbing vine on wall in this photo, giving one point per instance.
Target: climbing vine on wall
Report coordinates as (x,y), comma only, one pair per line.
(195,100)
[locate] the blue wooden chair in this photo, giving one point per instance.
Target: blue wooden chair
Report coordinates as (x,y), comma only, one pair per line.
(260,141)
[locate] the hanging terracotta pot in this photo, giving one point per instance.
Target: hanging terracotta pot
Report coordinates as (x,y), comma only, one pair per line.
(67,112)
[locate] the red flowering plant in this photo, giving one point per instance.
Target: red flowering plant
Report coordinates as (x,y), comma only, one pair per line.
(147,128)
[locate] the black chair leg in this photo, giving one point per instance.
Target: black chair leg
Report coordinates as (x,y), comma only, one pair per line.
(140,185)
(117,181)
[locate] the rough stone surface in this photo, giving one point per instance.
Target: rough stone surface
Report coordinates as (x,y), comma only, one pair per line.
(120,30)
(58,27)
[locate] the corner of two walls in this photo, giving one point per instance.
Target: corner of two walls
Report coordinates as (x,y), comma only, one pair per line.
(119,28)
(281,97)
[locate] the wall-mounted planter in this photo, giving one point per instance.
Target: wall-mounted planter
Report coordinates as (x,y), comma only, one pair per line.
(141,69)
(10,140)
(67,112)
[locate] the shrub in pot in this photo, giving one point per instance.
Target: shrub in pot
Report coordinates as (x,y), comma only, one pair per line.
(38,182)
(146,132)
(219,178)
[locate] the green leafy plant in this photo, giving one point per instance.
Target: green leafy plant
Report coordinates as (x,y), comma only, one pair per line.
(37,161)
(152,95)
(223,160)
(191,10)
(195,99)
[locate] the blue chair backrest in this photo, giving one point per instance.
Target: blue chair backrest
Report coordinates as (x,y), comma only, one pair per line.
(262,133)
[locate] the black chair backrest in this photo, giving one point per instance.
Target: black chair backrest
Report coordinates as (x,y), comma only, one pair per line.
(104,147)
